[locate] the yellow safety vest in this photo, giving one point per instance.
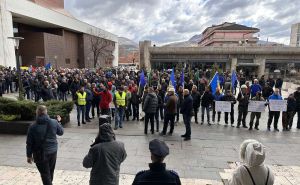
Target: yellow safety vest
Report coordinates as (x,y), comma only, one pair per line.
(120,100)
(81,98)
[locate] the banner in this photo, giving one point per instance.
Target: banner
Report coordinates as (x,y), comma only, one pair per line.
(223,106)
(278,105)
(256,106)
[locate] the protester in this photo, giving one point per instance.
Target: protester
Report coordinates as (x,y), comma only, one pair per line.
(230,98)
(158,174)
(96,100)
(120,104)
(274,114)
(217,97)
(135,101)
(254,88)
(297,97)
(41,144)
(196,102)
(253,171)
(80,101)
(206,102)
(170,111)
(150,107)
(105,99)
(180,99)
(89,100)
(243,99)
(258,97)
(160,104)
(290,113)
(186,111)
(105,157)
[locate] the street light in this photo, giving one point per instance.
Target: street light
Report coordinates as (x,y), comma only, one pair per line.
(16,44)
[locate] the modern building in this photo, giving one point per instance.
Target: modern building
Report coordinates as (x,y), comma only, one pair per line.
(52,35)
(295,35)
(228,34)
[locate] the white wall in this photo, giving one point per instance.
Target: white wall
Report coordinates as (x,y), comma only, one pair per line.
(116,55)
(7,51)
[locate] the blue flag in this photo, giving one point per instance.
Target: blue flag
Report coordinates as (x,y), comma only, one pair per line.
(142,79)
(214,83)
(233,80)
(48,66)
(172,78)
(182,78)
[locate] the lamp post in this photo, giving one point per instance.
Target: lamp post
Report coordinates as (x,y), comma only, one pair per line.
(17,43)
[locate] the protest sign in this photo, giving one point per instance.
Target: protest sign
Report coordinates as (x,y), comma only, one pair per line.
(278,105)
(223,106)
(256,106)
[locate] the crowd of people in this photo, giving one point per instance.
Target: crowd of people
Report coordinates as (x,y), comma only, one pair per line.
(120,94)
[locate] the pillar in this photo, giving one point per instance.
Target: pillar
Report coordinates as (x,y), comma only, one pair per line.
(233,64)
(145,54)
(261,67)
(7,48)
(116,55)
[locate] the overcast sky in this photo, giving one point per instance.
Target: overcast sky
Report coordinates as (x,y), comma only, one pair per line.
(165,21)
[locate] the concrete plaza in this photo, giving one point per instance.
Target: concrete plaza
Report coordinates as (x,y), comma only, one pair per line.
(199,161)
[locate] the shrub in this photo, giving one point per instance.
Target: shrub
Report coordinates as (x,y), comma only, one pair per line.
(9,117)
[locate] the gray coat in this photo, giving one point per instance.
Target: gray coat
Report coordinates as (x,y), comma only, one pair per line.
(151,103)
(105,159)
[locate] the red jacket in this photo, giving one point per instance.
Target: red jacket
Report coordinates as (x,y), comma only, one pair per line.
(105,99)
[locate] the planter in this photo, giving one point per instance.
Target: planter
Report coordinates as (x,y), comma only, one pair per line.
(14,127)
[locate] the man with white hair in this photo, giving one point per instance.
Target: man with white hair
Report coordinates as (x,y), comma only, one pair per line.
(243,99)
(253,171)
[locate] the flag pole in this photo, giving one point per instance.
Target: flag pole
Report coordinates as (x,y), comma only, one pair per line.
(212,79)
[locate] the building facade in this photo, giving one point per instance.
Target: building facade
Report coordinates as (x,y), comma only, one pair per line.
(295,35)
(251,60)
(228,34)
(52,35)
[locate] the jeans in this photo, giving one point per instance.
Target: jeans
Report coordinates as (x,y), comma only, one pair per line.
(169,118)
(149,116)
(87,110)
(135,111)
(196,112)
(46,168)
(80,110)
(161,112)
(252,117)
(177,114)
(63,96)
(290,119)
(157,119)
(231,116)
(203,112)
(119,116)
(37,96)
(275,115)
(187,123)
(95,104)
(105,112)
(243,111)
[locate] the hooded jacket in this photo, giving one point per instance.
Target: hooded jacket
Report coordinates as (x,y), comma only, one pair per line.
(37,131)
(254,156)
(105,157)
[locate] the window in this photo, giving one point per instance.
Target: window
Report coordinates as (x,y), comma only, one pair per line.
(68,61)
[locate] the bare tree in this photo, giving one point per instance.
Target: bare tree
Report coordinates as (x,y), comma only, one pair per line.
(100,47)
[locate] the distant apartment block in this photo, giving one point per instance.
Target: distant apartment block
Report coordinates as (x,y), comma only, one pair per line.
(229,34)
(295,35)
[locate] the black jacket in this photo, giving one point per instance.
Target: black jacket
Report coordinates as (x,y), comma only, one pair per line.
(187,105)
(207,99)
(230,98)
(297,97)
(196,99)
(243,100)
(63,87)
(151,103)
(157,175)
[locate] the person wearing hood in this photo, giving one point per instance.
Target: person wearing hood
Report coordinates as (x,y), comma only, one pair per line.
(105,157)
(253,171)
(41,143)
(149,107)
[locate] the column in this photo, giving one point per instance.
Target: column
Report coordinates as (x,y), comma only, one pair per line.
(233,64)
(145,54)
(116,55)
(262,64)
(7,48)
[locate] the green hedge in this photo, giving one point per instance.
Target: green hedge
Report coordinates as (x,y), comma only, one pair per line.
(11,109)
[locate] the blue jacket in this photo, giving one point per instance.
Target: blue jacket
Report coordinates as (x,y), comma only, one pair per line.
(218,97)
(275,97)
(254,89)
(37,131)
